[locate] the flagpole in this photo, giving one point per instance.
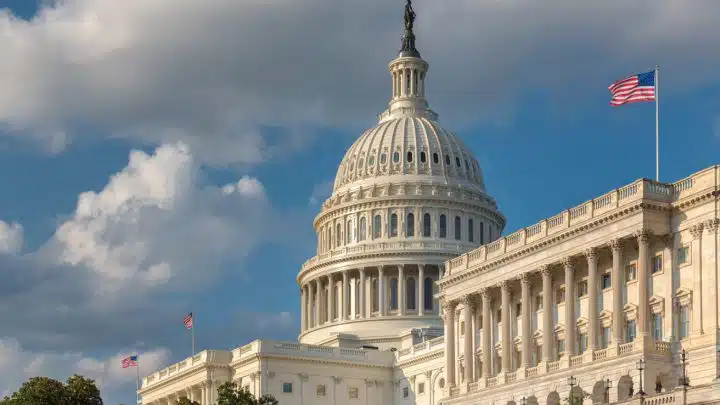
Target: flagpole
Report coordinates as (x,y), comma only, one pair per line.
(137,381)
(192,332)
(657,123)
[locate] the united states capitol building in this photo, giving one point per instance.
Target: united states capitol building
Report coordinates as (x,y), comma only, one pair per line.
(416,298)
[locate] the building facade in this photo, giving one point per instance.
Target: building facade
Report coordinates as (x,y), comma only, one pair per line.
(415,298)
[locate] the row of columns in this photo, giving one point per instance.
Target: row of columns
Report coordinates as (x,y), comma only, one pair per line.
(407,82)
(311,295)
(470,303)
(207,394)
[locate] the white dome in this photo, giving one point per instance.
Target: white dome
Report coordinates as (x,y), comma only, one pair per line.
(409,149)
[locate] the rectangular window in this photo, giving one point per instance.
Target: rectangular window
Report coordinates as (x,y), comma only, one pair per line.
(582,289)
(499,315)
(518,309)
(606,338)
(657,330)
(287,388)
(421,388)
(560,348)
(656,263)
(684,255)
(406,392)
(583,342)
(560,295)
(539,301)
(320,390)
(630,272)
(684,322)
(353,393)
(630,331)
(606,281)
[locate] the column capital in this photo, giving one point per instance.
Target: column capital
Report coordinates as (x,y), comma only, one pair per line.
(469,300)
(400,266)
(381,268)
(448,309)
(643,235)
(505,286)
(696,231)
(591,253)
(712,225)
(421,267)
(485,294)
(667,240)
(567,262)
(615,244)
(545,270)
(524,279)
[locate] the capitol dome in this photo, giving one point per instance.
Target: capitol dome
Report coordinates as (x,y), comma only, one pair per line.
(408,195)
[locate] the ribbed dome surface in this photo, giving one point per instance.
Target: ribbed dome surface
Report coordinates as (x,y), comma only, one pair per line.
(414,147)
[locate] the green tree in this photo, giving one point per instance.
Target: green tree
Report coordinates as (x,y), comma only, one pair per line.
(231,394)
(47,391)
(185,401)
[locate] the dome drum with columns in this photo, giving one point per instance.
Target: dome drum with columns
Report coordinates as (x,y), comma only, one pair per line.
(408,195)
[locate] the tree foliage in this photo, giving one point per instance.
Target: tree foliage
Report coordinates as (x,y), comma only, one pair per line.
(231,394)
(185,401)
(47,391)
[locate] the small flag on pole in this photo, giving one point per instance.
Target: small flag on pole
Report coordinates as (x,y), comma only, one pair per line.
(633,89)
(129,362)
(188,321)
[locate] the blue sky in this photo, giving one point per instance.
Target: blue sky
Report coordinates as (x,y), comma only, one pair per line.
(244,95)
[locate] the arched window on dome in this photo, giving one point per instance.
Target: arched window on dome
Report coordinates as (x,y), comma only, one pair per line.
(427,225)
(383,158)
(410,292)
(457,161)
(396,157)
(393,294)
(471,230)
(349,232)
(458,228)
(436,159)
(423,158)
(410,225)
(447,160)
(467,167)
(409,157)
(443,226)
(338,235)
(374,294)
(362,232)
(329,238)
(428,298)
(377,227)
(393,225)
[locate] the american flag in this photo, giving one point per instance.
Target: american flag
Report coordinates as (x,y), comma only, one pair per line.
(188,321)
(633,89)
(129,362)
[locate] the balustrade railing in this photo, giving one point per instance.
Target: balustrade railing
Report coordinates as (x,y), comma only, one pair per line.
(576,360)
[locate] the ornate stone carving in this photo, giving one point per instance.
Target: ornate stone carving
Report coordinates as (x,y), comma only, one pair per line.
(524,278)
(696,231)
(505,285)
(643,235)
(337,380)
(568,262)
(428,375)
(412,379)
(303,377)
(469,300)
(712,225)
(545,270)
(485,294)
(615,244)
(591,253)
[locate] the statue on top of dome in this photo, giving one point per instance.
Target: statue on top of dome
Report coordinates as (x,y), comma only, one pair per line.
(409,16)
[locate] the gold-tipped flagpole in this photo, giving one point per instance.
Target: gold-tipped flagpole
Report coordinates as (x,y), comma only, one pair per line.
(657,123)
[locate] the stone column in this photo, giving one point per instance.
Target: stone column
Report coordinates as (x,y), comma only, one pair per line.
(449,317)
(401,290)
(569,306)
(331,298)
(303,309)
(547,314)
(421,289)
(592,313)
(617,281)
(381,290)
(345,296)
(643,271)
(697,296)
(486,336)
(526,324)
(506,329)
(362,289)
(316,321)
(469,304)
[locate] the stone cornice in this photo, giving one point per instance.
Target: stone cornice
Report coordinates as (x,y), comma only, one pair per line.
(317,360)
(431,355)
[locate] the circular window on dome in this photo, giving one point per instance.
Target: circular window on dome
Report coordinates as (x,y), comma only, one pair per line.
(422,157)
(396,157)
(409,157)
(383,158)
(457,161)
(447,160)
(436,159)
(371,160)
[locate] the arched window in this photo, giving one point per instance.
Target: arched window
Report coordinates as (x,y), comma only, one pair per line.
(458,228)
(349,232)
(396,157)
(393,293)
(436,159)
(410,287)
(422,157)
(329,237)
(443,226)
(357,297)
(428,298)
(426,225)
(410,225)
(393,225)
(374,294)
(447,160)
(362,232)
(334,311)
(377,226)
(338,235)
(482,233)
(471,230)
(409,157)
(457,161)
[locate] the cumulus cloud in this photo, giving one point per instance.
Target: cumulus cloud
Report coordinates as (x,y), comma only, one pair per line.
(320,192)
(216,74)
(11,237)
(18,364)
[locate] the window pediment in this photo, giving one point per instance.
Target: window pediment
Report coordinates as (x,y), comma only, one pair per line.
(657,305)
(630,311)
(683,297)
(605,318)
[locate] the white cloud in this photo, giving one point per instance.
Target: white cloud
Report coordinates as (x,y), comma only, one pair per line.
(320,192)
(11,237)
(214,74)
(18,364)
